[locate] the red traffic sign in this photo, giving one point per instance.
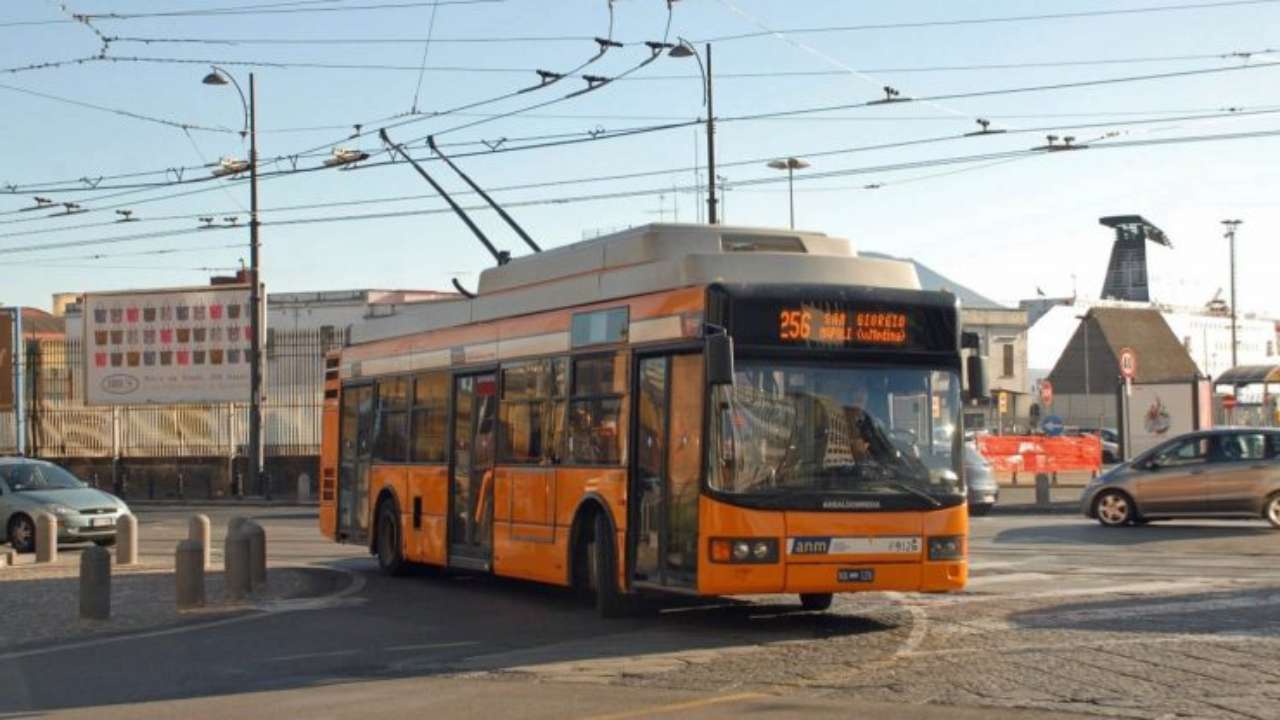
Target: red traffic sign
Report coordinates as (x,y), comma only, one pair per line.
(1046,393)
(1128,363)
(1228,401)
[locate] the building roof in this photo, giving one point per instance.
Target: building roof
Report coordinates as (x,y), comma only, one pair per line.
(1249,375)
(931,279)
(37,323)
(1107,331)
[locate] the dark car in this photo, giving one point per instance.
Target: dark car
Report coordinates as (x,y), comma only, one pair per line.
(984,491)
(1221,473)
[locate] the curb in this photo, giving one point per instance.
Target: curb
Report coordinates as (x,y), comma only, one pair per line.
(247,502)
(1058,508)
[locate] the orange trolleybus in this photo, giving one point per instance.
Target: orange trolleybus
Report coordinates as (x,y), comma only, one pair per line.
(675,408)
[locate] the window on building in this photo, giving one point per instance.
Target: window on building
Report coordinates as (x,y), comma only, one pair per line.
(1006,365)
(596,410)
(1271,348)
(532,410)
(430,417)
(391,443)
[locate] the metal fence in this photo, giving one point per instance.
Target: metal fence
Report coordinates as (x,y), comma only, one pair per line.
(60,425)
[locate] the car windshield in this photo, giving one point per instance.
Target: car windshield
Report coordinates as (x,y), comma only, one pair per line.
(21,477)
(788,428)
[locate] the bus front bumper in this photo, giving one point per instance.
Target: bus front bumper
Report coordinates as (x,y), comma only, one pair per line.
(875,577)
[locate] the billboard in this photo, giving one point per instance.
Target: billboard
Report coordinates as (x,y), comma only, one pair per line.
(1159,412)
(167,346)
(7,377)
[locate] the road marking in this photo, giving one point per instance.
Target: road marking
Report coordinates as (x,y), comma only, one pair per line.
(431,646)
(919,625)
(305,656)
(676,707)
(993,564)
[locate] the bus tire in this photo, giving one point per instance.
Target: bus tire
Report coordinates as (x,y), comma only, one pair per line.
(815,601)
(610,602)
(387,543)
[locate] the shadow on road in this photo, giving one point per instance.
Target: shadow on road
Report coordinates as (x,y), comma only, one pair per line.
(1093,533)
(425,624)
(1253,612)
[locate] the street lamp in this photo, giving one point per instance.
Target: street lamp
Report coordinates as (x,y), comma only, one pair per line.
(685,49)
(1084,320)
(219,76)
(791,165)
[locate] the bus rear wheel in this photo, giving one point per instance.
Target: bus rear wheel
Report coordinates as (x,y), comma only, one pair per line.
(390,558)
(815,601)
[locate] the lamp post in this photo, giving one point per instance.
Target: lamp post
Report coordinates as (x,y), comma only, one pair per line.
(791,165)
(1084,321)
(683,50)
(1230,234)
(219,76)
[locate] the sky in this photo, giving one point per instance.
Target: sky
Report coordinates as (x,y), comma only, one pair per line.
(1005,225)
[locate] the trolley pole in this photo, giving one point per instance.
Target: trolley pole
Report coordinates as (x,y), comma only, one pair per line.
(255,308)
(711,148)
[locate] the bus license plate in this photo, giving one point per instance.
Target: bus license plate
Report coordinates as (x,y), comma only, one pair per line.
(855,575)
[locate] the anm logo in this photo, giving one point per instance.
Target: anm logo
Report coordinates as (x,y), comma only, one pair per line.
(810,546)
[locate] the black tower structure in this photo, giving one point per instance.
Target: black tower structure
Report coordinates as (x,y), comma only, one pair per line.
(1127,271)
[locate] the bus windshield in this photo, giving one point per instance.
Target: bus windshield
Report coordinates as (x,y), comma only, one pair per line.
(858,433)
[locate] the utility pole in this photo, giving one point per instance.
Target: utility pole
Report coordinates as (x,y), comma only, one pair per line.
(711,147)
(256,449)
(1231,226)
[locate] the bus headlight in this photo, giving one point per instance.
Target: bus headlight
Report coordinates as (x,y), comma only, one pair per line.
(946,547)
(744,550)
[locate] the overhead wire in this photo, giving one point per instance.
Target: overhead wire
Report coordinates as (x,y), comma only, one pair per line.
(764,180)
(293,8)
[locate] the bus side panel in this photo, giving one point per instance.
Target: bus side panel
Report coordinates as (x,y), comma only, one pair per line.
(328,489)
(428,486)
(719,520)
(395,477)
(525,541)
(609,483)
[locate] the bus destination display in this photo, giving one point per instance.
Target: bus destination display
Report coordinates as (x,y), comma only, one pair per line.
(811,324)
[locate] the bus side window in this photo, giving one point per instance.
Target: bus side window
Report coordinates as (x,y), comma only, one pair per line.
(430,417)
(596,425)
(391,442)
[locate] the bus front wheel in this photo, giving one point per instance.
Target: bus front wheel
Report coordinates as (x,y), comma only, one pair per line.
(390,557)
(603,570)
(815,601)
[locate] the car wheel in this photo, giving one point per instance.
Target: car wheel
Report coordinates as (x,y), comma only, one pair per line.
(390,559)
(815,601)
(979,510)
(1114,509)
(1272,510)
(22,534)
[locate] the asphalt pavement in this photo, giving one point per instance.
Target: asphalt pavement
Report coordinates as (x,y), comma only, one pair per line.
(1061,617)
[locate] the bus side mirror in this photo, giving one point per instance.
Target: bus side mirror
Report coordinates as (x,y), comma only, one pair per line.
(975,370)
(718,353)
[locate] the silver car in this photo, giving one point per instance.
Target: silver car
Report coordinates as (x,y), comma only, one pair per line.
(1221,473)
(30,487)
(984,491)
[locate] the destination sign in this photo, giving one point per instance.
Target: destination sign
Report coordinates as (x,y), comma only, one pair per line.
(808,323)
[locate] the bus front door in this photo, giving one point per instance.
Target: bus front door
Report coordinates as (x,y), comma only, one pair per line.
(355,437)
(475,400)
(665,471)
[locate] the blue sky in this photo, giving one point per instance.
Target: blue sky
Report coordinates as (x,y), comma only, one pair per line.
(1003,229)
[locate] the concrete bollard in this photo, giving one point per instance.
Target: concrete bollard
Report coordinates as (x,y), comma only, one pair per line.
(189,574)
(95,584)
(304,487)
(235,554)
(198,530)
(257,555)
(46,538)
(235,523)
(8,558)
(126,540)
(1042,490)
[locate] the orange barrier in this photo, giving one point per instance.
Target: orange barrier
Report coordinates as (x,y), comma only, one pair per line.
(1041,453)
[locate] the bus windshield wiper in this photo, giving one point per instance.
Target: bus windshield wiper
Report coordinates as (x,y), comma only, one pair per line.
(904,487)
(859,472)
